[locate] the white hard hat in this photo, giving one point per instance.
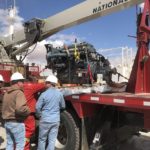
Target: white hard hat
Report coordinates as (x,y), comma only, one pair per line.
(16,76)
(51,78)
(1,78)
(141,6)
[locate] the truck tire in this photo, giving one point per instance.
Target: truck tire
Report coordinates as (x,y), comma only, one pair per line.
(69,133)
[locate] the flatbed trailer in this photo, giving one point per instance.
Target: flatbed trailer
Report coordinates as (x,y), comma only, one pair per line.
(124,113)
(140,101)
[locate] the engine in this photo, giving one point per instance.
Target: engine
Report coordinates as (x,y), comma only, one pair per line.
(78,64)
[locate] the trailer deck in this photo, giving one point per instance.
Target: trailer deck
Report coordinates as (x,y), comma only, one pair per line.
(130,100)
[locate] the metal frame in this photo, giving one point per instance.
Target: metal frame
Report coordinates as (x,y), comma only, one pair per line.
(137,96)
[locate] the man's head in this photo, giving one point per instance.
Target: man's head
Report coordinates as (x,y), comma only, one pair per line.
(51,80)
(1,81)
(17,78)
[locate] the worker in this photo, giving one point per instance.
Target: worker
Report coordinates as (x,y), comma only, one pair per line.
(1,95)
(1,91)
(48,109)
(1,85)
(1,81)
(14,111)
(30,90)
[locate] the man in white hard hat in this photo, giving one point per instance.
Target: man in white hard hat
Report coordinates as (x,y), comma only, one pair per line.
(1,81)
(14,111)
(1,84)
(48,108)
(1,93)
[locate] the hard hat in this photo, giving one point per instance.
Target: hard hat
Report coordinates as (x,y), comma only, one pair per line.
(16,76)
(1,78)
(141,6)
(51,78)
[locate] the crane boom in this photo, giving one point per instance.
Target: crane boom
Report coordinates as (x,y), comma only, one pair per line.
(83,12)
(39,29)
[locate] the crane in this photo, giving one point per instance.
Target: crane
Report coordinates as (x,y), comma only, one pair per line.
(39,29)
(135,100)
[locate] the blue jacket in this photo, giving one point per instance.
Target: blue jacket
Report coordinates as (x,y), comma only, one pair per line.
(49,104)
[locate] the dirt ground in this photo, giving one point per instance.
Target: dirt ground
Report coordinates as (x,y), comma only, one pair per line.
(136,143)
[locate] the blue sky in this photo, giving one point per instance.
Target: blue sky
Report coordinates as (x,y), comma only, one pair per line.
(105,32)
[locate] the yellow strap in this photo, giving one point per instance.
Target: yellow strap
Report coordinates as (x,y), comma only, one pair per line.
(76,53)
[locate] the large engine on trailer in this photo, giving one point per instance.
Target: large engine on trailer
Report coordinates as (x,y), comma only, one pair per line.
(78,64)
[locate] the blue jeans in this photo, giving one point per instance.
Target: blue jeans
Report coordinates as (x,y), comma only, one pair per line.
(15,135)
(50,131)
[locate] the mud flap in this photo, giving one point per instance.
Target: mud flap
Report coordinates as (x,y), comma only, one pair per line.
(84,143)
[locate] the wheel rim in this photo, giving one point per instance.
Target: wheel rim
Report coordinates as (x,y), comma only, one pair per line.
(62,137)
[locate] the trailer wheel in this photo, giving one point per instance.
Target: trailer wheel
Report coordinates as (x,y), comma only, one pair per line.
(68,135)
